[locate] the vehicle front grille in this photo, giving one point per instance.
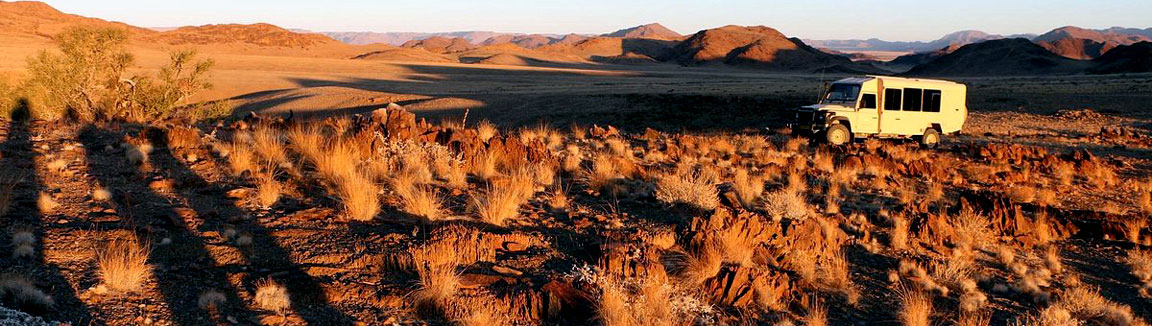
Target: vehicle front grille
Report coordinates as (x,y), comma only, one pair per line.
(804,116)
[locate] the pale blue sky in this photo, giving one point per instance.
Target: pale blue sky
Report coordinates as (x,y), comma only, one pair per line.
(901,20)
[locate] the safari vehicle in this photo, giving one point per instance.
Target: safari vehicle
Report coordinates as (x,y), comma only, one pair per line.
(886,107)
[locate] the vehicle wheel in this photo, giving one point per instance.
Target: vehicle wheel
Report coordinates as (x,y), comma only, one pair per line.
(837,134)
(930,139)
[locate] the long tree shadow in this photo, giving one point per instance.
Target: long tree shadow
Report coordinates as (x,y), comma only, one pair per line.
(18,159)
(268,258)
(184,268)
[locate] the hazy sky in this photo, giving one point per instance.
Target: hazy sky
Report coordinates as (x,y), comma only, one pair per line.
(890,20)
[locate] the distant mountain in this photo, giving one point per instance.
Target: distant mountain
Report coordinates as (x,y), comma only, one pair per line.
(1086,44)
(399,38)
(649,31)
(530,41)
(759,47)
(873,44)
(1004,57)
(438,44)
(1135,58)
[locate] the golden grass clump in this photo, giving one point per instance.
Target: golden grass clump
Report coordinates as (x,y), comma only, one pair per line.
(748,188)
(558,198)
(915,308)
(272,296)
(502,199)
(898,238)
(99,194)
(241,157)
(359,197)
(696,187)
(307,140)
(423,201)
(486,130)
(45,203)
(1140,264)
(702,263)
(123,264)
(483,165)
(603,173)
(267,142)
(267,190)
(436,266)
(817,315)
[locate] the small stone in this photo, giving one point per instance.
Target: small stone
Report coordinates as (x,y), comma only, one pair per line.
(506,270)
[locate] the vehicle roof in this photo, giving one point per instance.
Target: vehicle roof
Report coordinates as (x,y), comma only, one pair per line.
(861,80)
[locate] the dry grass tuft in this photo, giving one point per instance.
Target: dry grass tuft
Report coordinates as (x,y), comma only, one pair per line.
(100,194)
(898,238)
(358,196)
(502,199)
(269,145)
(123,264)
(603,173)
(45,203)
(696,187)
(786,203)
(211,300)
(24,244)
(439,281)
(915,308)
(241,158)
(702,264)
(423,201)
(267,190)
(817,315)
(1140,263)
(20,293)
(748,188)
(272,296)
(482,316)
(486,130)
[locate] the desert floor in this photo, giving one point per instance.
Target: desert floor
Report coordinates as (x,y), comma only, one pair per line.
(198,208)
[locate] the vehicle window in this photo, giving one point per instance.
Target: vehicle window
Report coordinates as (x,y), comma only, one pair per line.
(892,97)
(868,101)
(842,94)
(932,100)
(912,99)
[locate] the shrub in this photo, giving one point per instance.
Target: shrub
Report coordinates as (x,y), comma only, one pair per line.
(84,81)
(182,77)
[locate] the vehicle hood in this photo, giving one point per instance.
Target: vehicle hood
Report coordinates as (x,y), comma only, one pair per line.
(826,107)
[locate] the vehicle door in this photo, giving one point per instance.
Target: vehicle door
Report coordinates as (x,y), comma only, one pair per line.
(892,117)
(867,114)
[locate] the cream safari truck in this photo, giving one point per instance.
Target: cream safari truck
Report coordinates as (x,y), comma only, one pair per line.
(886,107)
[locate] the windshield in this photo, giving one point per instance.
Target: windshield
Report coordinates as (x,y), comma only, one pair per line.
(842,94)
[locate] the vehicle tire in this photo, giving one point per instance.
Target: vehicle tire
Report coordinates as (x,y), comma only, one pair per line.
(838,135)
(931,138)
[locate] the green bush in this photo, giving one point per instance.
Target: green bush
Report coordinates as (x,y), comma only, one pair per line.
(86,80)
(83,81)
(177,81)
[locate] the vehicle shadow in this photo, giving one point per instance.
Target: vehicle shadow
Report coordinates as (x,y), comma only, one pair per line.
(265,256)
(182,264)
(18,159)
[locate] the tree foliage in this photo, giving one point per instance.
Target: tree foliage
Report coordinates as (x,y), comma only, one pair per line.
(83,81)
(86,80)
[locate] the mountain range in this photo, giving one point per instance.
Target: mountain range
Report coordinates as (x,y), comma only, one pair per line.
(1065,50)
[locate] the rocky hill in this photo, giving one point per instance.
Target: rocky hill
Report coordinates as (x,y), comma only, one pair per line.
(649,31)
(1005,57)
(754,46)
